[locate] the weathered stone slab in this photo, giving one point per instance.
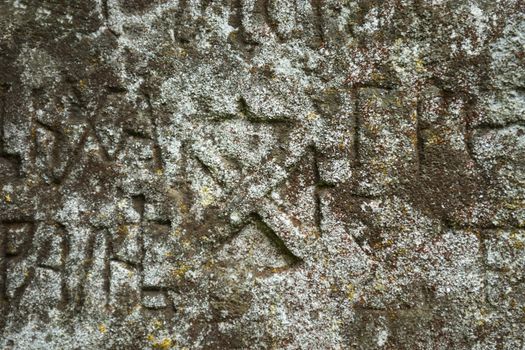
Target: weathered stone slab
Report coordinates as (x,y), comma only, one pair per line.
(262,174)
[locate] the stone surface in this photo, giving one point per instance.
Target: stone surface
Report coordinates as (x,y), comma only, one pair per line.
(262,174)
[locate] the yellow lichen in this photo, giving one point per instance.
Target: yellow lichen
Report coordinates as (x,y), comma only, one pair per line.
(312,116)
(377,245)
(434,140)
(420,66)
(514,205)
(182,53)
(315,233)
(402,251)
(233,35)
(209,265)
(207,197)
(183,208)
(181,271)
(179,200)
(8,198)
(350,291)
(123,230)
(380,287)
(413,115)
(102,328)
(399,102)
(517,243)
(376,76)
(165,343)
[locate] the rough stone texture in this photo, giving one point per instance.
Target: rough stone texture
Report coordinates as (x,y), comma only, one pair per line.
(262,174)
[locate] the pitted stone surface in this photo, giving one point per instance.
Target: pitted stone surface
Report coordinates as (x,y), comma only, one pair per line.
(321,174)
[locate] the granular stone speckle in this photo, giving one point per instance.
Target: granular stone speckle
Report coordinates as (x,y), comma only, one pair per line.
(249,174)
